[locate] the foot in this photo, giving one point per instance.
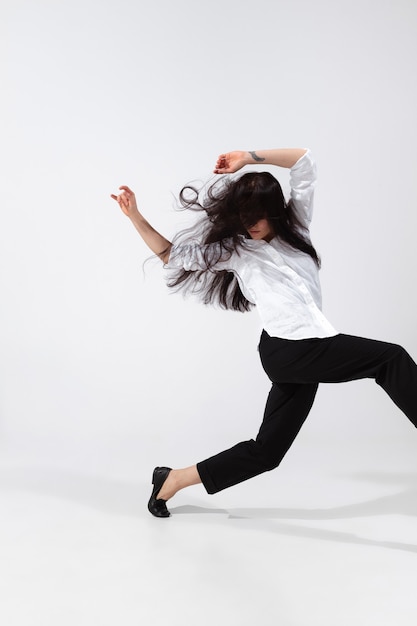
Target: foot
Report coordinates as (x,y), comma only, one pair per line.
(167,482)
(157,505)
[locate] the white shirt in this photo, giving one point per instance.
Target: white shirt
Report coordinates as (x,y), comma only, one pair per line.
(282,282)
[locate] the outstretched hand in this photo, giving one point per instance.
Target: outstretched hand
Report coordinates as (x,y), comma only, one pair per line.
(126,201)
(230,162)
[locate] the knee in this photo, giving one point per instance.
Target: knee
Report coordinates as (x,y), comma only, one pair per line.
(393,352)
(396,359)
(398,349)
(398,353)
(270,457)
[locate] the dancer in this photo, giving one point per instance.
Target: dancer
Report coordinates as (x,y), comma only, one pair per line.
(252,247)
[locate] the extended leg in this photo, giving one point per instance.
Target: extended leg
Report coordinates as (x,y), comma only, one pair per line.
(286,410)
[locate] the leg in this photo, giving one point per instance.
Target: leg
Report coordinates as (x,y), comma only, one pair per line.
(286,410)
(343,358)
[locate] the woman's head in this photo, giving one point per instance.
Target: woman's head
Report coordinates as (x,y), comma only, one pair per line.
(259,203)
(252,205)
(257,195)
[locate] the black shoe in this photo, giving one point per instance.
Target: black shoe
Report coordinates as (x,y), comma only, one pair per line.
(157,506)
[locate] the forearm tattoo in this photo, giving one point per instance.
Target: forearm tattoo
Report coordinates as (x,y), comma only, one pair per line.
(255,157)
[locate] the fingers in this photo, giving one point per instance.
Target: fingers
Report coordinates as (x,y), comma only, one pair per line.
(121,199)
(124,200)
(221,166)
(125,197)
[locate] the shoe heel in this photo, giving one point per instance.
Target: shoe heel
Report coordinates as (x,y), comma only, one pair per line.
(156,505)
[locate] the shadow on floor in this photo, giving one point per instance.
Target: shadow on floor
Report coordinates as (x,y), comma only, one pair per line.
(118,497)
(265,520)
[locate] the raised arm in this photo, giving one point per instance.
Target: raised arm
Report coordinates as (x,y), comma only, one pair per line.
(156,242)
(234,161)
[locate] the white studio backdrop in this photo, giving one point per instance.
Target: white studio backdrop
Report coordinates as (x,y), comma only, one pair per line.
(101,368)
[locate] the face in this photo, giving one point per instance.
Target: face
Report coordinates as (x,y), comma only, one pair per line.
(261,230)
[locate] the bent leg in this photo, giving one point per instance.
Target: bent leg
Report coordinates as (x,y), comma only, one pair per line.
(286,410)
(344,358)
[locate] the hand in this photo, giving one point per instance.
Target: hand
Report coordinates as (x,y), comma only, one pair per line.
(126,201)
(230,162)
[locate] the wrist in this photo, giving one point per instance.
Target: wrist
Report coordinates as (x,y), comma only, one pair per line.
(136,217)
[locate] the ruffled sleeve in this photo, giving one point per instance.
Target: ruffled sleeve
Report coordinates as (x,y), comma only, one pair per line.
(302,181)
(193,257)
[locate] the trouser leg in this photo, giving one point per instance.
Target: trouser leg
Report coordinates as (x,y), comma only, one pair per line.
(344,358)
(286,410)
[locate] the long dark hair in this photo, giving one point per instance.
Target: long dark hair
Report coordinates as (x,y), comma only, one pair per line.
(231,206)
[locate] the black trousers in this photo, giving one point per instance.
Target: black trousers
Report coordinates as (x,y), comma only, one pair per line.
(295,369)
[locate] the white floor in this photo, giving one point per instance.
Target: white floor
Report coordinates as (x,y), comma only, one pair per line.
(334,543)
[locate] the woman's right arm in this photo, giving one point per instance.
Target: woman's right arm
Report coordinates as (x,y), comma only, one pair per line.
(234,161)
(156,242)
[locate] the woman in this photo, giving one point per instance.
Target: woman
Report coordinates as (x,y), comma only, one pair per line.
(255,249)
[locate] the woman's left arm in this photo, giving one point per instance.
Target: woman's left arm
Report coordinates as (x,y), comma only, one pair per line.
(154,240)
